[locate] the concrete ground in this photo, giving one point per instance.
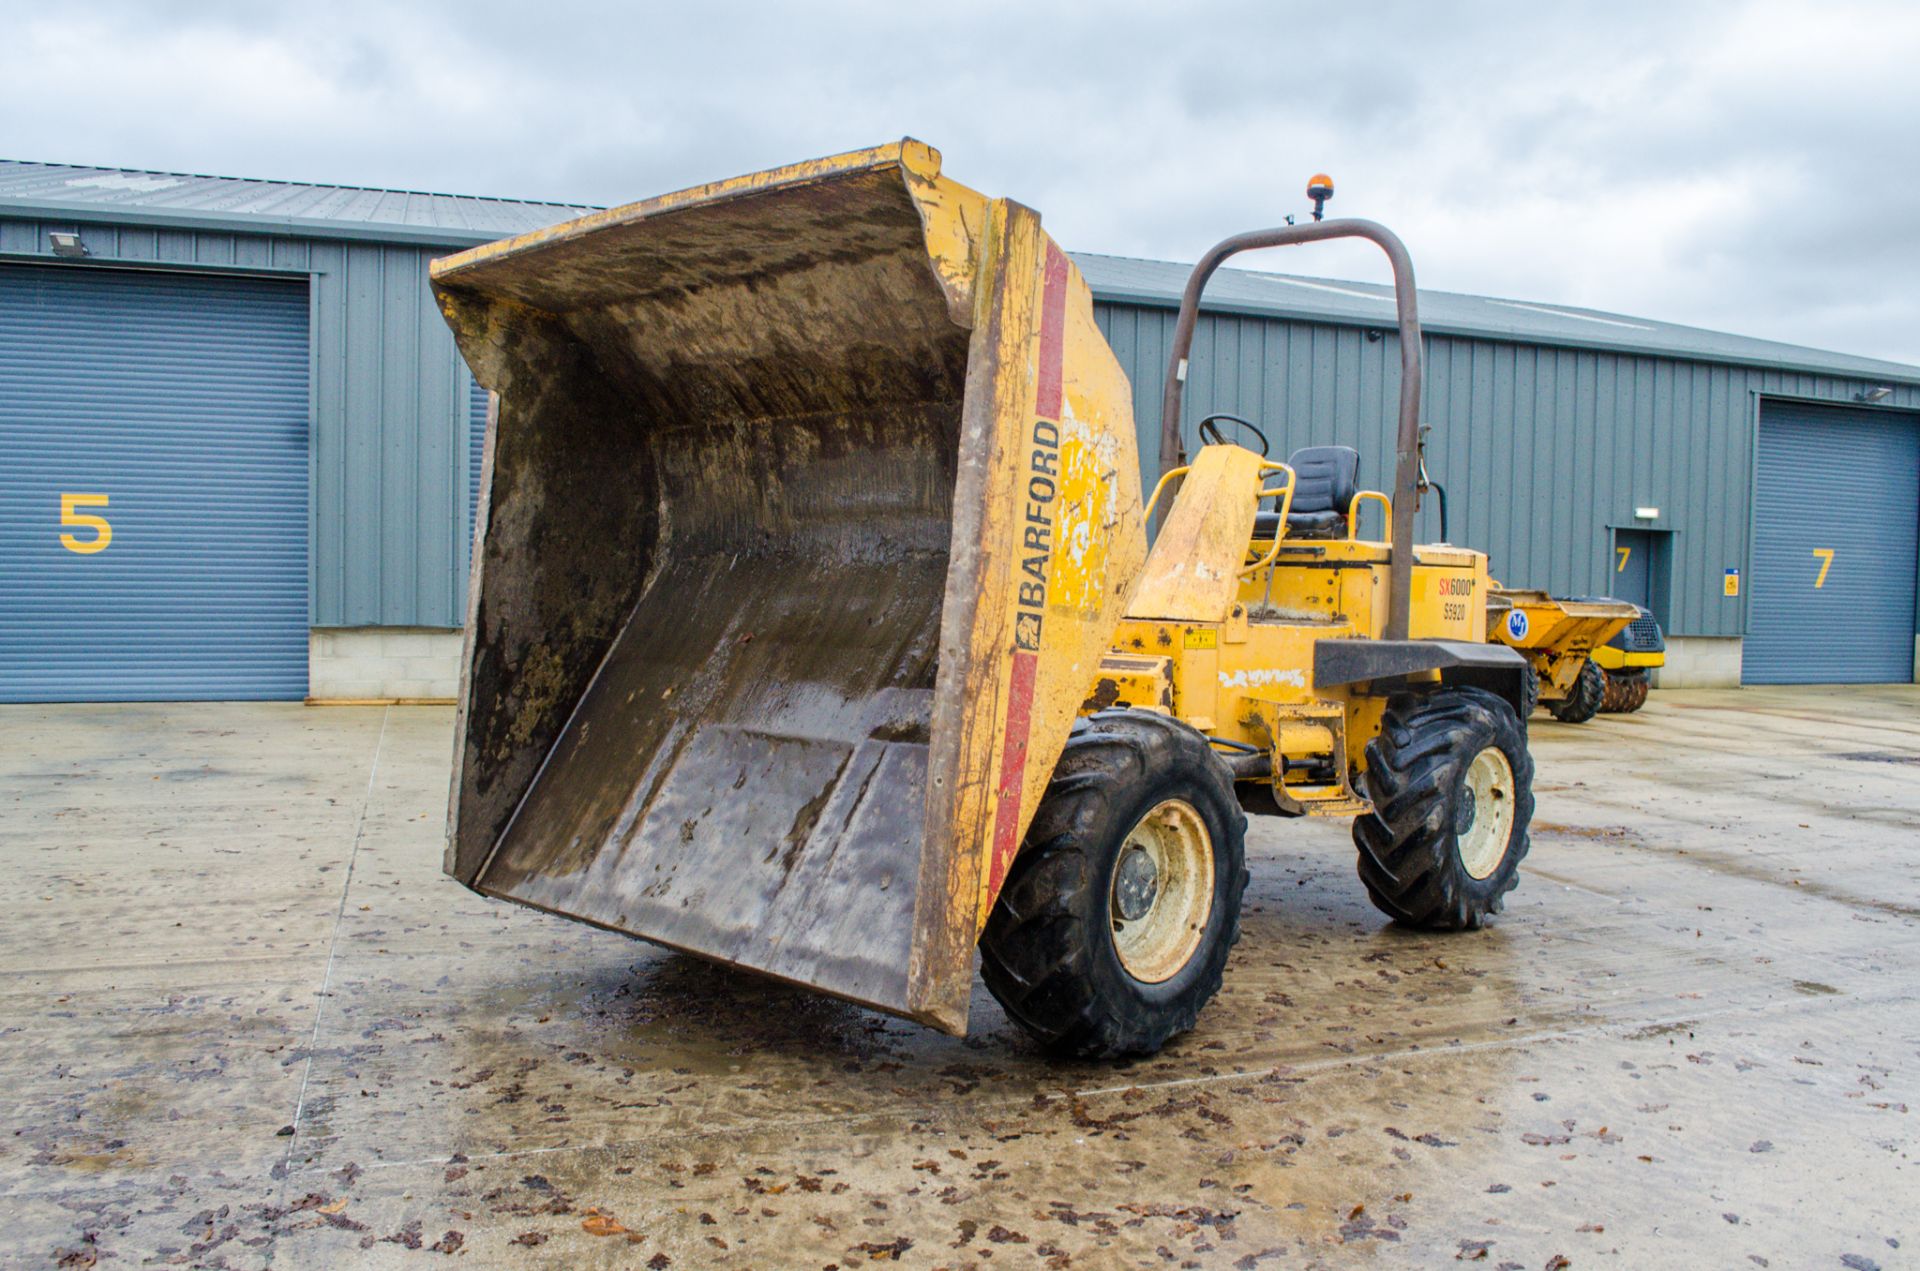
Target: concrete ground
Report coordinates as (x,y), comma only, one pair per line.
(244,1021)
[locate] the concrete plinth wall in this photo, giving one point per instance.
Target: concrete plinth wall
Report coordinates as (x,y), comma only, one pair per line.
(383,664)
(1700,662)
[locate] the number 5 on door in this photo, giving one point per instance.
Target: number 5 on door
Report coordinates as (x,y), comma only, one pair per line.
(102,532)
(1825,556)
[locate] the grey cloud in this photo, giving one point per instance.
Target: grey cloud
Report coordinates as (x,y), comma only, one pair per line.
(1742,164)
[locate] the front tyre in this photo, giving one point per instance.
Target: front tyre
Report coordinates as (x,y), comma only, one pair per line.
(1582,701)
(1113,926)
(1451,784)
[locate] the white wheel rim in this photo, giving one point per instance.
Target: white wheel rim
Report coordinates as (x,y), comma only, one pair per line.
(1156,928)
(1485,818)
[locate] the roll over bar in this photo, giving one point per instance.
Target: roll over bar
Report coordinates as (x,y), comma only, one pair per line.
(1407,472)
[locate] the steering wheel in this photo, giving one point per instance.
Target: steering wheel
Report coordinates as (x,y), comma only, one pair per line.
(1211,434)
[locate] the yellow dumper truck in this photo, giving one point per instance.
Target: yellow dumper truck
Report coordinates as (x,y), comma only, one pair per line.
(1585,654)
(814,628)
(1558,636)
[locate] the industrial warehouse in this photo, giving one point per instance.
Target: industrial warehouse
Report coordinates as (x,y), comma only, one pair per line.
(242,454)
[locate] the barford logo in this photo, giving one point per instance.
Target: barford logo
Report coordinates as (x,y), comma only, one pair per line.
(1037,537)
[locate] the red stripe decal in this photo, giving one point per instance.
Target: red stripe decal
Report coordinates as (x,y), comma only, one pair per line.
(1013,768)
(1013,755)
(1053,322)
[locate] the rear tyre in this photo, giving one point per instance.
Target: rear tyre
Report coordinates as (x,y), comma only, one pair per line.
(1452,789)
(1113,926)
(1637,687)
(1582,701)
(1613,696)
(1530,692)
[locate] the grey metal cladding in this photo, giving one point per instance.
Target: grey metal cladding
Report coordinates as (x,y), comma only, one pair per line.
(476,452)
(390,452)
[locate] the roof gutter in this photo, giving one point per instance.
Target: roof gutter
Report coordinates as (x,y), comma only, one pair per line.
(431,236)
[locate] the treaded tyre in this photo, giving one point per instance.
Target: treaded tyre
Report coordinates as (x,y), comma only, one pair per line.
(1113,926)
(1452,789)
(1582,702)
(1613,697)
(1530,691)
(1637,687)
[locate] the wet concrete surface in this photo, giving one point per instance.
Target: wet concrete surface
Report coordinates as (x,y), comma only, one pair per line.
(246,1022)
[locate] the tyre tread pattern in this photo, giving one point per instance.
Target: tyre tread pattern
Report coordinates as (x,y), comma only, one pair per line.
(1637,693)
(1040,936)
(1613,694)
(1407,855)
(1582,702)
(1626,692)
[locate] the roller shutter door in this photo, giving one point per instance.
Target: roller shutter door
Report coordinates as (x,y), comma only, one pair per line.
(1836,525)
(163,418)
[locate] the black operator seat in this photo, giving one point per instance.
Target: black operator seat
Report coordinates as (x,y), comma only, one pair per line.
(1325,479)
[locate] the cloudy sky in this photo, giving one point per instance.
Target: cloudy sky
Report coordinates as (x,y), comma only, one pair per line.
(1750,167)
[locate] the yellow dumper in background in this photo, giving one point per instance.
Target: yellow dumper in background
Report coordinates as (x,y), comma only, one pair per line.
(1559,637)
(814,629)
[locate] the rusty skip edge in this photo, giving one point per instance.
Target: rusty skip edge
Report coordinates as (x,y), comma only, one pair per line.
(1014,667)
(940,971)
(916,158)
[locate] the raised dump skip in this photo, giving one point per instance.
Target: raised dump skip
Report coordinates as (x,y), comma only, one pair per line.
(811,503)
